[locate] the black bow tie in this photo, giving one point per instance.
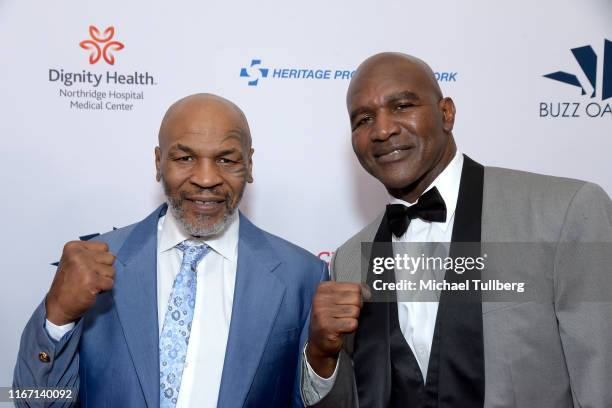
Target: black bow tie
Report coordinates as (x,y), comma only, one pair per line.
(429,207)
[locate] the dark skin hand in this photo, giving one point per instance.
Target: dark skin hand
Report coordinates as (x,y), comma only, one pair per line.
(335,312)
(86,269)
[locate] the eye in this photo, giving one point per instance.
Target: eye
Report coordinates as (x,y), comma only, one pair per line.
(402,106)
(185,158)
(225,160)
(363,121)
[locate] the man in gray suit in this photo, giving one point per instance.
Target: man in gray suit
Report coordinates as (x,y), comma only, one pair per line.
(550,350)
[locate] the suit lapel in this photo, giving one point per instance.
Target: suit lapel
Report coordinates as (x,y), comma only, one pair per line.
(258,295)
(371,341)
(468,213)
(135,297)
(456,369)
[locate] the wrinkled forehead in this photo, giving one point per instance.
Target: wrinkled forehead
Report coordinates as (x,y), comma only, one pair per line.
(202,119)
(375,82)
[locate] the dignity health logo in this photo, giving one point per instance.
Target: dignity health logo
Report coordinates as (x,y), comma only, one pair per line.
(101,45)
(97,88)
(587,60)
(256,72)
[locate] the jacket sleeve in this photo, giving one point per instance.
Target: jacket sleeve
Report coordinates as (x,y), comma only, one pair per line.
(61,367)
(297,400)
(344,392)
(583,295)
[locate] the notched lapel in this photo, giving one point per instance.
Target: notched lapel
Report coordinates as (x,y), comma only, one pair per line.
(135,297)
(258,295)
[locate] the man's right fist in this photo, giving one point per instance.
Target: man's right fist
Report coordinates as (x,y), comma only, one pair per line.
(335,310)
(85,269)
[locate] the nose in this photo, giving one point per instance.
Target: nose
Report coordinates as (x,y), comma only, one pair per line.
(385,126)
(206,174)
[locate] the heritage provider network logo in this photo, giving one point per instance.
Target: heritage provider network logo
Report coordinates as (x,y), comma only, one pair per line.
(587,60)
(97,88)
(256,72)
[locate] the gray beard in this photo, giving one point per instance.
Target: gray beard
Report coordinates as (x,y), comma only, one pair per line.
(197,229)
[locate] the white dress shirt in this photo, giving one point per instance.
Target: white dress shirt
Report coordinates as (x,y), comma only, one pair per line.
(213,309)
(416,319)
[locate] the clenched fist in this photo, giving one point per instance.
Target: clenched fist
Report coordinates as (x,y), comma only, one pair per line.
(335,310)
(85,269)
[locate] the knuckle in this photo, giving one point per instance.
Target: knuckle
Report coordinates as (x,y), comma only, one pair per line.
(69,263)
(70,248)
(351,324)
(355,288)
(324,287)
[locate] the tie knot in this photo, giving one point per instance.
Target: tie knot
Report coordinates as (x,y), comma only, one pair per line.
(193,252)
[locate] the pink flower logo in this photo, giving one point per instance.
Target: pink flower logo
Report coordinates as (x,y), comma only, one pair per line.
(101,45)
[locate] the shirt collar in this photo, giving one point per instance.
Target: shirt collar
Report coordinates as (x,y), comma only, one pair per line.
(171,234)
(447,184)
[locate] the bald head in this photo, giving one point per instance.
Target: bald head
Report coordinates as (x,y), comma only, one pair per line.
(190,112)
(392,65)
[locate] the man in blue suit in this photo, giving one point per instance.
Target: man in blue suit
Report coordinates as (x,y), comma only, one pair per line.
(192,307)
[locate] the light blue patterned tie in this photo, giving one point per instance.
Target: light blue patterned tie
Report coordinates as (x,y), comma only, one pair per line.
(175,334)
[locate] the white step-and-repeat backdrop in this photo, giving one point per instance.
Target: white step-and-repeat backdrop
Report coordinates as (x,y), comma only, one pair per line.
(84,85)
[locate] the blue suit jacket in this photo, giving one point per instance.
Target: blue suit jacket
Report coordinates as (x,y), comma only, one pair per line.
(112,354)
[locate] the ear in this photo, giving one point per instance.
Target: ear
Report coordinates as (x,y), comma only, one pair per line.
(250,166)
(447,107)
(158,163)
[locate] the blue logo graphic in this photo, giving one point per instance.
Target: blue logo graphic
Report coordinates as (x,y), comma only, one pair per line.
(253,72)
(587,59)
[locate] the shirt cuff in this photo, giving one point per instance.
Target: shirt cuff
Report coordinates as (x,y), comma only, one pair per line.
(315,387)
(57,332)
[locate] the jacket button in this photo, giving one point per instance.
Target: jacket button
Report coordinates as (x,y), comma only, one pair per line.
(44,357)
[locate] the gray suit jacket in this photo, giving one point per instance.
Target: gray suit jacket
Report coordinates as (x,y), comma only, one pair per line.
(554,351)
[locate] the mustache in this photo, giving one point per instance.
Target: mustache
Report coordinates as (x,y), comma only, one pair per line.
(182,195)
(228,195)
